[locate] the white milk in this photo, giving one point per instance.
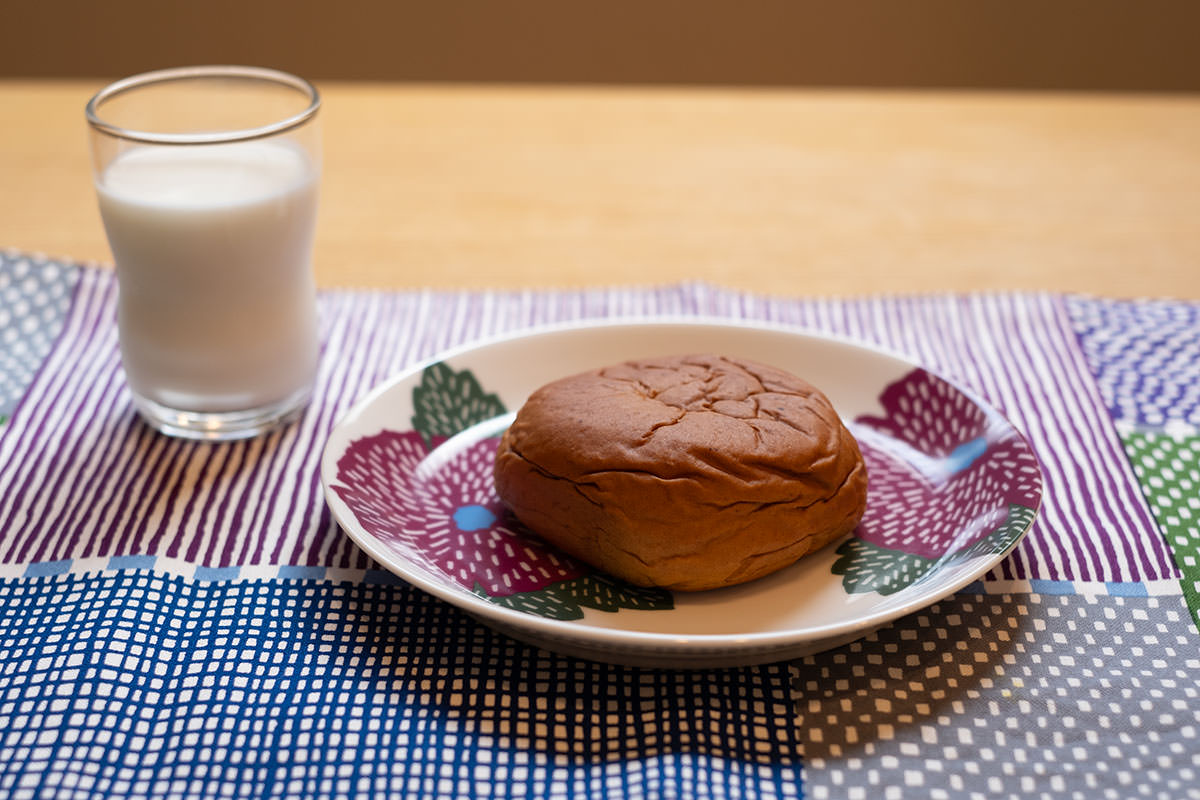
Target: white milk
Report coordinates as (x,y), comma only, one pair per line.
(217,306)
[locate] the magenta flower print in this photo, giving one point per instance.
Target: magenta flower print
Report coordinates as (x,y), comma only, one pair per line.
(946,481)
(448,517)
(935,512)
(929,414)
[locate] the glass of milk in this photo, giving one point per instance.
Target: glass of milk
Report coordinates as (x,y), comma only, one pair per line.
(207,183)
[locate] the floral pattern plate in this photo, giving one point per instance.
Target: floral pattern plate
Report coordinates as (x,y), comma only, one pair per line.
(408,475)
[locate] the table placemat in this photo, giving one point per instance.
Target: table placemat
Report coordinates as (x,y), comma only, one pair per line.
(185,620)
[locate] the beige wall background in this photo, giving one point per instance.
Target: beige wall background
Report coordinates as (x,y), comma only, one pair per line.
(1123,45)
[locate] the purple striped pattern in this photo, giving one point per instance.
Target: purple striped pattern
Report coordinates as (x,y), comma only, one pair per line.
(81,477)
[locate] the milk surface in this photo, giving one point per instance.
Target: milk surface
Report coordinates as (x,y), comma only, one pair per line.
(217,308)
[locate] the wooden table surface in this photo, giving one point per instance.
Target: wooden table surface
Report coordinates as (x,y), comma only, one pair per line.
(785,191)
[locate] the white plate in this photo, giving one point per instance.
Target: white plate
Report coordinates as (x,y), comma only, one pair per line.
(407,474)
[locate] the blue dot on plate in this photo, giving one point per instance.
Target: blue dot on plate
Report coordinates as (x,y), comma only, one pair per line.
(473,518)
(965,454)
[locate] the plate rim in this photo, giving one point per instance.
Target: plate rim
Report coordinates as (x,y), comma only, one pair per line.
(649,641)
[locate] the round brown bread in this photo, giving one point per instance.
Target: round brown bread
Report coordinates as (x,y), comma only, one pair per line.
(686,472)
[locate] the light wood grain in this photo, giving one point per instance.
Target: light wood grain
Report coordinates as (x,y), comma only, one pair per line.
(782,191)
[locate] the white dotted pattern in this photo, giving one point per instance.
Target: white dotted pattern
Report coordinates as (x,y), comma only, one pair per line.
(34,299)
(1034,696)
(1144,355)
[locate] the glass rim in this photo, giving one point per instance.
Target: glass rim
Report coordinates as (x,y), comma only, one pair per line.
(191,73)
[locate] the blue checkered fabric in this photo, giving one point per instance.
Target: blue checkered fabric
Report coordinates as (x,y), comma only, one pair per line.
(138,684)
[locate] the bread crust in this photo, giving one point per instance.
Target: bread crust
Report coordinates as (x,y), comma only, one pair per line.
(686,472)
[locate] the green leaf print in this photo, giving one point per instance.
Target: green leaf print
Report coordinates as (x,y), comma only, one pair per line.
(867,567)
(447,402)
(567,599)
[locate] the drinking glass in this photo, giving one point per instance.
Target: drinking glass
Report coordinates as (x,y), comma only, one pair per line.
(207,181)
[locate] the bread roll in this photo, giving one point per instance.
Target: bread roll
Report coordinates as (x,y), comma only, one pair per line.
(687,472)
